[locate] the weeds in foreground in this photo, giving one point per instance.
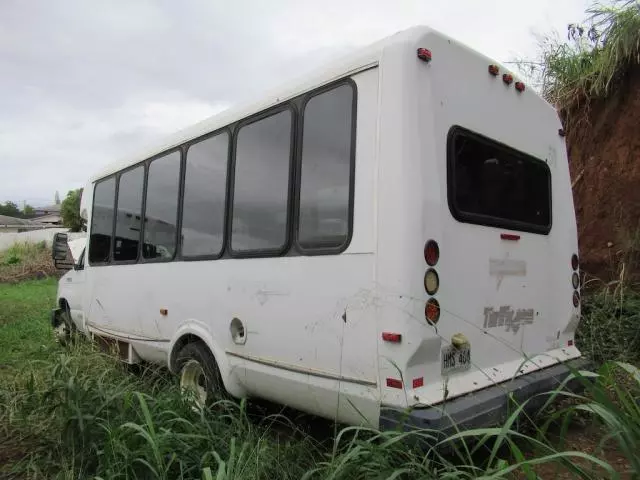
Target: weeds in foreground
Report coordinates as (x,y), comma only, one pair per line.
(610,325)
(24,260)
(93,419)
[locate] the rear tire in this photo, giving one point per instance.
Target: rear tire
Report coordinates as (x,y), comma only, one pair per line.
(200,379)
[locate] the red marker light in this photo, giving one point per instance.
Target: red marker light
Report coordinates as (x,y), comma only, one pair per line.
(520,86)
(507,78)
(424,54)
(394,383)
(509,236)
(391,337)
(494,70)
(418,382)
(569,343)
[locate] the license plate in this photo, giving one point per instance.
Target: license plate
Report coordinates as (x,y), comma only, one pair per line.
(455,359)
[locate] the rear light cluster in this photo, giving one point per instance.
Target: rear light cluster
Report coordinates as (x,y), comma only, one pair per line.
(575,280)
(432,281)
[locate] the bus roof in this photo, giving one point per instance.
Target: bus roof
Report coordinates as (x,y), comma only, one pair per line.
(363,58)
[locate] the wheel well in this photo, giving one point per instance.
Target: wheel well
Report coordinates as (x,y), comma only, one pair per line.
(63,304)
(179,345)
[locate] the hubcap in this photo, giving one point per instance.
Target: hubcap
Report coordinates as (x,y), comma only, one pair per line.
(193,383)
(62,331)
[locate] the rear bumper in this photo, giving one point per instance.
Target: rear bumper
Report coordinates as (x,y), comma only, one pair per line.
(487,407)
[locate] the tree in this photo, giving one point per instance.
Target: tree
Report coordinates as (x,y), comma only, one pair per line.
(10,209)
(70,210)
(28,211)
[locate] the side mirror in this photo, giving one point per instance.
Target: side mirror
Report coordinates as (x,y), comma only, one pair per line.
(60,251)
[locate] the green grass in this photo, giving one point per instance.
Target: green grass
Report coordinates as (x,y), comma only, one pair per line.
(24,332)
(77,413)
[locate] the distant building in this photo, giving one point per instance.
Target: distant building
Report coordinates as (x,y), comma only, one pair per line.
(49,215)
(13,224)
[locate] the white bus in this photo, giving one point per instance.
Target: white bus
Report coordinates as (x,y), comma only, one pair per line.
(394,232)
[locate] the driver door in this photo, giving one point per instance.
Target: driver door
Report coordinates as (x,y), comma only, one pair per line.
(74,290)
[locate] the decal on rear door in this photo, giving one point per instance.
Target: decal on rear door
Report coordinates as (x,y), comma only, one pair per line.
(507,317)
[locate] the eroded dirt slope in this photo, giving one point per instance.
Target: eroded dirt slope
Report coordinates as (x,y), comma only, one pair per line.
(604,155)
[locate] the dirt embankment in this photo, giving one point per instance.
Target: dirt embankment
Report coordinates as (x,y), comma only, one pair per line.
(604,156)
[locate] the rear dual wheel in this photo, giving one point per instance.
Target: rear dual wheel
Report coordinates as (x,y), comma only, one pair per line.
(200,380)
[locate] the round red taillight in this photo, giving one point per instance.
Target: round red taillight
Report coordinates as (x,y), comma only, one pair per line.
(576,299)
(432,310)
(431,252)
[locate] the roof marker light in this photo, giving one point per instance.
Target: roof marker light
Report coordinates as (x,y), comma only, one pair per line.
(494,70)
(507,78)
(424,54)
(520,86)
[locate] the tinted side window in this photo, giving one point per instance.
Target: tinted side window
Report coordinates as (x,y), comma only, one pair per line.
(128,214)
(326,169)
(261,188)
(204,196)
(161,208)
(102,221)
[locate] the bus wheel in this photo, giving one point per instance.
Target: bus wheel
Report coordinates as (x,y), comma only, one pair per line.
(65,330)
(200,379)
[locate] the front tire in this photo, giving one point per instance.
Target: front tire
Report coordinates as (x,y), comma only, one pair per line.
(200,379)
(65,330)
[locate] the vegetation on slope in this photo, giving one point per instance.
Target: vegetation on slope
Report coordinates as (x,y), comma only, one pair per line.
(595,58)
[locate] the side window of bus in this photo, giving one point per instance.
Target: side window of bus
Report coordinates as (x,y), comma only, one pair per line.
(325,176)
(205,190)
(128,212)
(102,221)
(261,185)
(161,207)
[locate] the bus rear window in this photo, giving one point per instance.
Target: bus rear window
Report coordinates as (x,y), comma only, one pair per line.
(494,185)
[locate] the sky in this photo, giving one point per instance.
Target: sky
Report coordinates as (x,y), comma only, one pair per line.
(84,83)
